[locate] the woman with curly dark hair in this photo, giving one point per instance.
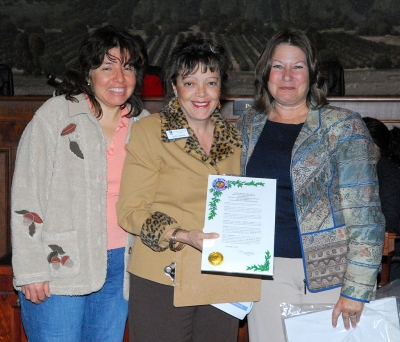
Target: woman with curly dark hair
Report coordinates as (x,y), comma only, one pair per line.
(68,250)
(163,194)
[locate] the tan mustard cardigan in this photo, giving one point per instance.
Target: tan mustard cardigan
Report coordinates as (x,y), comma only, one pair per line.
(164,186)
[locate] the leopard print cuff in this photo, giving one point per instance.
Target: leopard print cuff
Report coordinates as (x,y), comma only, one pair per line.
(154,228)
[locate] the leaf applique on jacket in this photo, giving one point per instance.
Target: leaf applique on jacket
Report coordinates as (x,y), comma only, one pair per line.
(29,219)
(73,145)
(68,129)
(57,249)
(57,258)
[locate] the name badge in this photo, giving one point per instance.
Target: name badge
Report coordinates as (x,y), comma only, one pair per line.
(177,134)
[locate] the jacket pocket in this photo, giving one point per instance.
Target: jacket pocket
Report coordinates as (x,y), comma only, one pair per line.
(62,253)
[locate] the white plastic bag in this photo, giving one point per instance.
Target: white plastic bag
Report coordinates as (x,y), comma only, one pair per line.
(379,323)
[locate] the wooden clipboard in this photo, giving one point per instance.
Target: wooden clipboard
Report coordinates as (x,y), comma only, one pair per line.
(191,287)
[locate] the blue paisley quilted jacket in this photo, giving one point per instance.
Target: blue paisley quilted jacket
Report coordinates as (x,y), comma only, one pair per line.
(336,198)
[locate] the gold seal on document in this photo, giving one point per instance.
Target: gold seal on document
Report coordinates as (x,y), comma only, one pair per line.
(216,258)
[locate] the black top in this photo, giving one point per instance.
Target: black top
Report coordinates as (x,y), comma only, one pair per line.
(271,158)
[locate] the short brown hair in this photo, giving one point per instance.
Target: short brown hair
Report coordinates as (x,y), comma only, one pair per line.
(192,53)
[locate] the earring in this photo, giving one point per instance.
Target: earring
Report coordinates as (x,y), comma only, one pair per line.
(176,103)
(219,105)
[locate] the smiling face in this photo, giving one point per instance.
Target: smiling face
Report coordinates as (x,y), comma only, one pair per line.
(113,82)
(289,79)
(198,94)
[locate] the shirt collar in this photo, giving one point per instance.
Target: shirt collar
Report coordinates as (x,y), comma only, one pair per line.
(84,106)
(78,106)
(226,137)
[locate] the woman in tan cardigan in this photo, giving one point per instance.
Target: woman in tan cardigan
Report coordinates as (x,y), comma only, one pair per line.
(163,194)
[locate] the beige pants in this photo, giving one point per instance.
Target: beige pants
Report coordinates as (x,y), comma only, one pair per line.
(265,322)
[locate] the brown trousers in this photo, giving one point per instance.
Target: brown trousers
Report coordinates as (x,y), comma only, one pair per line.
(153,317)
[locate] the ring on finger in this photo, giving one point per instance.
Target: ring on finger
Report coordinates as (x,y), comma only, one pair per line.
(353,316)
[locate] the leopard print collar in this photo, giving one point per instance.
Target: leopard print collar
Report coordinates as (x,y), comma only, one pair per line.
(226,137)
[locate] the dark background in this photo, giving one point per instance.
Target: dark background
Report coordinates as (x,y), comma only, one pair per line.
(42,37)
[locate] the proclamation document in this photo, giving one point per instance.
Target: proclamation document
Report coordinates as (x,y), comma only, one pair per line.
(242,211)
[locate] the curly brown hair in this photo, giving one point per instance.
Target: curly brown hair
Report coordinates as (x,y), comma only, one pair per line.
(92,51)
